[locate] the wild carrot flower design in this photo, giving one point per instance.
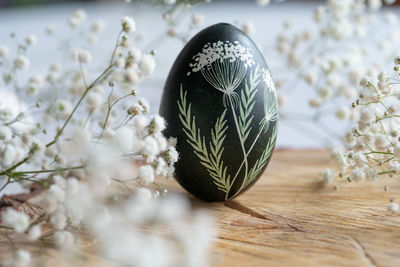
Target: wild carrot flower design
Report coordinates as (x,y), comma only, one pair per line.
(223,65)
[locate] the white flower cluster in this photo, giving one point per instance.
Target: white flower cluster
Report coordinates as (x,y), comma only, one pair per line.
(92,144)
(373,144)
(331,57)
(221,51)
(19,221)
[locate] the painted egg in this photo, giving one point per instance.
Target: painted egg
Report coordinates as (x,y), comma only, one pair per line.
(220,103)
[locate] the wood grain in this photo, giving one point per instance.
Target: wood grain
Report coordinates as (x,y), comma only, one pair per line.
(288,218)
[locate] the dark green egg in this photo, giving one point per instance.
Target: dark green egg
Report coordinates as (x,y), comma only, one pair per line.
(219,102)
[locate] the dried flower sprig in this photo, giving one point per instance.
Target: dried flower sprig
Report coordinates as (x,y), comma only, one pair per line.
(329,59)
(180,19)
(81,137)
(373,144)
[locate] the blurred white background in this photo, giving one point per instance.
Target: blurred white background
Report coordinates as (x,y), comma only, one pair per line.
(267,22)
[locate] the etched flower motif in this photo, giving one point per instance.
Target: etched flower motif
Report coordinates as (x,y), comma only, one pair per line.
(270,103)
(224,66)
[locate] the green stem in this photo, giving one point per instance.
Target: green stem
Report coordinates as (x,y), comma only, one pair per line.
(378,152)
(54,170)
(386,172)
(102,76)
(5,185)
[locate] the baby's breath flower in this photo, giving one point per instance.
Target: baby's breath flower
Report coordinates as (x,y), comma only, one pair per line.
(172,155)
(4,51)
(342,113)
(396,151)
(397,60)
(34,233)
(358,174)
(158,123)
(56,193)
(128,24)
(144,104)
(248,28)
(147,64)
(310,77)
(133,76)
(31,39)
(15,219)
(9,155)
(146,174)
(98,26)
(349,138)
(63,239)
(150,148)
(381,141)
(319,13)
(80,14)
(394,166)
(63,108)
(78,155)
(58,220)
(82,56)
(393,207)
(22,258)
(328,176)
(5,133)
(21,62)
(198,19)
(359,159)
(340,159)
(161,167)
(371,174)
(172,32)
(94,99)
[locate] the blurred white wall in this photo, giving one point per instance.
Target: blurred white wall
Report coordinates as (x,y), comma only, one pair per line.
(267,22)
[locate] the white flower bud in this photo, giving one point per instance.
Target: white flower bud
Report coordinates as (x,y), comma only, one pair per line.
(21,62)
(98,26)
(22,258)
(35,233)
(31,39)
(198,19)
(128,24)
(146,174)
(328,176)
(15,219)
(147,64)
(342,113)
(393,207)
(358,174)
(58,220)
(4,51)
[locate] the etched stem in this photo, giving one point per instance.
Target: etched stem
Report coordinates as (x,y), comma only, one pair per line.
(243,150)
(241,165)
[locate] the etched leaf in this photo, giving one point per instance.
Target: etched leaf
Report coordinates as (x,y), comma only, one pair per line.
(260,163)
(247,103)
(211,161)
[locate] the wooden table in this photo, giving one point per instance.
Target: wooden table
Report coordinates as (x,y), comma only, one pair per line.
(289,218)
